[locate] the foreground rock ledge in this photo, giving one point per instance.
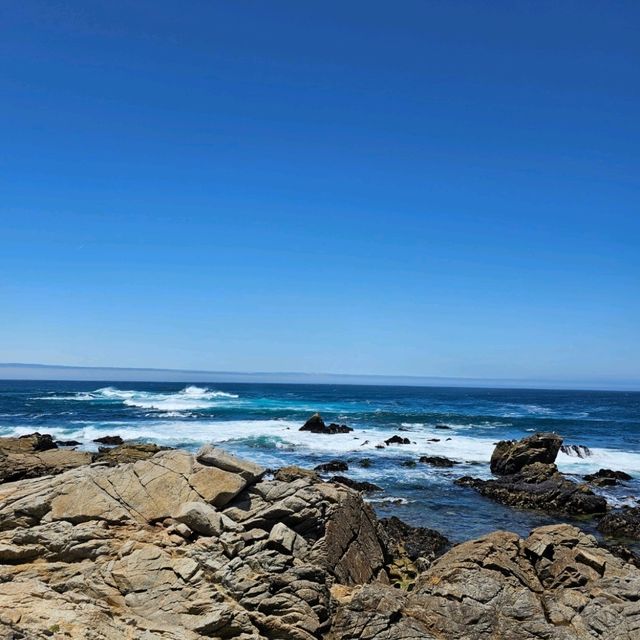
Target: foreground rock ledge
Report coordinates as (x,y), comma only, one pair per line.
(182,547)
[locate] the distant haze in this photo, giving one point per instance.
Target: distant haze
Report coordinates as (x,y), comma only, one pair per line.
(21,371)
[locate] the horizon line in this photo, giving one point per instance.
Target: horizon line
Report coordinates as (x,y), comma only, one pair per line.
(29,371)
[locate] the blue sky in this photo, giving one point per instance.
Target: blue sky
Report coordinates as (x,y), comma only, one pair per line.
(415,188)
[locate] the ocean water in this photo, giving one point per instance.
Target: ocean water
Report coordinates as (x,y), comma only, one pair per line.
(262,421)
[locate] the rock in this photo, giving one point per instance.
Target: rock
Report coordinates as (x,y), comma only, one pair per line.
(219,458)
(67,443)
(557,584)
(127,453)
(408,463)
(366,487)
(539,486)
(438,461)
(316,424)
(622,523)
(397,440)
(408,550)
(110,440)
(289,474)
(204,519)
(36,455)
(576,450)
(607,477)
(365,462)
(511,456)
(27,444)
(332,467)
(443,427)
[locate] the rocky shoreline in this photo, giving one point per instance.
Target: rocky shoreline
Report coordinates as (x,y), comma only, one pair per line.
(136,541)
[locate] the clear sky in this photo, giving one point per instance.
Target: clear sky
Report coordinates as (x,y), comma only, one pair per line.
(419,188)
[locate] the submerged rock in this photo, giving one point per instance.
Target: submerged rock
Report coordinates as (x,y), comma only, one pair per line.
(607,477)
(511,456)
(397,440)
(315,424)
(109,440)
(438,461)
(365,487)
(335,466)
(622,523)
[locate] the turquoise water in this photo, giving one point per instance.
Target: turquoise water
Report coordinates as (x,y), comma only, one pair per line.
(261,422)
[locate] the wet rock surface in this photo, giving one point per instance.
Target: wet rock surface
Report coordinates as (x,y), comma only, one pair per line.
(622,523)
(315,424)
(438,461)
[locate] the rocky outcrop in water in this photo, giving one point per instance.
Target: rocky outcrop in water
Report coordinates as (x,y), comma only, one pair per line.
(607,477)
(511,456)
(315,424)
(529,479)
(438,461)
(622,523)
(576,450)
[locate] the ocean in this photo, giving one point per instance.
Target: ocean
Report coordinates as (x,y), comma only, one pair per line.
(262,421)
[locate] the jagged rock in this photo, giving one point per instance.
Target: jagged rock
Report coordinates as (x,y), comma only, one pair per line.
(366,487)
(557,584)
(67,443)
(397,440)
(110,440)
(205,519)
(219,458)
(316,424)
(539,486)
(622,523)
(408,550)
(511,456)
(607,477)
(36,455)
(576,450)
(332,467)
(438,461)
(289,474)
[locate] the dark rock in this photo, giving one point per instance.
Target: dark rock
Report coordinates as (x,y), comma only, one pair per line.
(607,474)
(397,440)
(622,523)
(332,467)
(542,487)
(408,550)
(67,443)
(365,487)
(510,456)
(365,462)
(110,440)
(576,450)
(408,463)
(127,453)
(438,461)
(435,439)
(444,427)
(315,424)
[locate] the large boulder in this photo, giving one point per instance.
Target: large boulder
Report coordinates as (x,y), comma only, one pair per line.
(315,424)
(221,459)
(542,487)
(511,456)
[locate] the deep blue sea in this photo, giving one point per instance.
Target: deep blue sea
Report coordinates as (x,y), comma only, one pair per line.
(261,422)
